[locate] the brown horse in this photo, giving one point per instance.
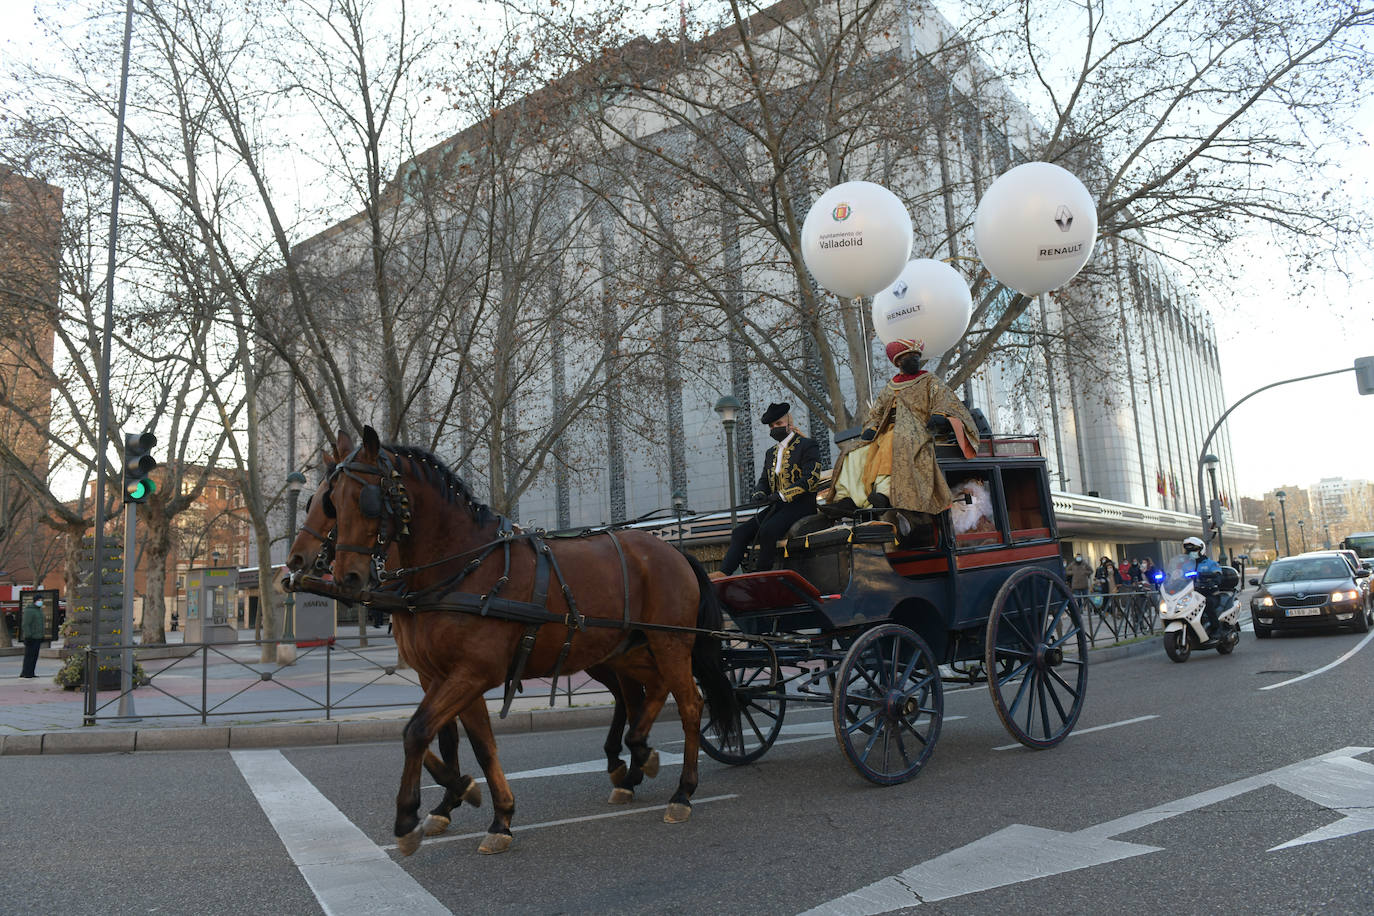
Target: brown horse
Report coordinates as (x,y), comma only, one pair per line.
(309,560)
(490,604)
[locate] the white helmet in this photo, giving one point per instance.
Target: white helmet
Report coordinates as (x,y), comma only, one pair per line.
(1193,544)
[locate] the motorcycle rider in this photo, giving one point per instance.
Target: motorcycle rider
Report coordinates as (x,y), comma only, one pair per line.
(1207,580)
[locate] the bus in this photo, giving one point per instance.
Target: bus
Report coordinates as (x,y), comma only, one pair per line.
(1361,542)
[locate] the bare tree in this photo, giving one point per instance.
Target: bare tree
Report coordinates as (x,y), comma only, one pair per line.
(1171,113)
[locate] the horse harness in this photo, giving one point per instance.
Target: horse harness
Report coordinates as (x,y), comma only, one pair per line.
(388,502)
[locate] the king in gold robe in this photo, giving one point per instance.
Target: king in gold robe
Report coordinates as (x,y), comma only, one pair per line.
(907,459)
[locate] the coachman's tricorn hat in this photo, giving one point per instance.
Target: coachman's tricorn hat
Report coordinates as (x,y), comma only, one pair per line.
(775,412)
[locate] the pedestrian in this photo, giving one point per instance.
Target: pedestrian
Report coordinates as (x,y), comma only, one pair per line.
(1147,572)
(787,488)
(31,629)
(1137,576)
(1106,576)
(1080,573)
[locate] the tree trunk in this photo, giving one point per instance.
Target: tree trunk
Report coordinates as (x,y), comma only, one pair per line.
(157,545)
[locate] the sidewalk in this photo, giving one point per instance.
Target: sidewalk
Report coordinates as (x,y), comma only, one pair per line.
(265,705)
(254,704)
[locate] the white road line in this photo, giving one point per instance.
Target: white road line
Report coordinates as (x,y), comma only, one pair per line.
(569,820)
(1346,657)
(1084,731)
(348,873)
(803,731)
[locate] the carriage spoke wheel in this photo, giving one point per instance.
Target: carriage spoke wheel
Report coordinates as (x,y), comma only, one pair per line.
(761,702)
(1038,647)
(888,704)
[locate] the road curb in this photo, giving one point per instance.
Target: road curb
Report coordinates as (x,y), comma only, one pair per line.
(99,740)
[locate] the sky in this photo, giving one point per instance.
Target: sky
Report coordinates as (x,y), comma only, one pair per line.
(1300,433)
(1293,435)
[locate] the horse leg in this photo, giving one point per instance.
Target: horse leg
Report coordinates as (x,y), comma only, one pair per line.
(677,675)
(643,759)
(615,767)
(457,787)
(624,778)
(477,721)
(437,709)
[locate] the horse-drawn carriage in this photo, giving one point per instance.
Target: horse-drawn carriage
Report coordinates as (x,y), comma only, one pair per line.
(864,620)
(857,618)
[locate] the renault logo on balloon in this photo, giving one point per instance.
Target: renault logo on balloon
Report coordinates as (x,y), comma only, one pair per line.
(935,307)
(1035,227)
(866,252)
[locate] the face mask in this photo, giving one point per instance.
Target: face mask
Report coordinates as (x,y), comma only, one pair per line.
(1078,558)
(779,433)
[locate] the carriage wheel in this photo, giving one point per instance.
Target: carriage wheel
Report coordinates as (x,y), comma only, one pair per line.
(761,701)
(888,704)
(1038,647)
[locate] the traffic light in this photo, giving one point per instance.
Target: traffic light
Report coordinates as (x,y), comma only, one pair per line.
(137,465)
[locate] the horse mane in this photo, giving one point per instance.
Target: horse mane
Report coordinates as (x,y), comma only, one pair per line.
(432,469)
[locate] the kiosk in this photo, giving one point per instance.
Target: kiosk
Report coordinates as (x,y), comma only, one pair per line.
(211,604)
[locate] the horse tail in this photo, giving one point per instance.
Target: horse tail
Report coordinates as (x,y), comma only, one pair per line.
(708,662)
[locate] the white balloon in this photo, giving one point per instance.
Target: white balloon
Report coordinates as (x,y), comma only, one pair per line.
(929,302)
(856,238)
(1035,227)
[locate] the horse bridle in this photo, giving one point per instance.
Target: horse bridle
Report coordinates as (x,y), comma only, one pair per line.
(387,501)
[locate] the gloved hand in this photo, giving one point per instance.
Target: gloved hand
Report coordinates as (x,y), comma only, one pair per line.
(939,425)
(758,496)
(868,435)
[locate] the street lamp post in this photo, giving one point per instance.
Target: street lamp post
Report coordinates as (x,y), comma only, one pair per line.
(1210,462)
(1274,528)
(1364,383)
(295,482)
(1282,497)
(1302,534)
(679,507)
(727,407)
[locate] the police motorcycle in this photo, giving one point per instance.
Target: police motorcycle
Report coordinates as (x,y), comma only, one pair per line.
(1187,581)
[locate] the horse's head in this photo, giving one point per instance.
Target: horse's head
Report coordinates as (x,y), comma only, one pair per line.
(312,552)
(371,510)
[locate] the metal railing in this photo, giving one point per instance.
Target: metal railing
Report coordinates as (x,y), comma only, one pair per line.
(227,681)
(1116,616)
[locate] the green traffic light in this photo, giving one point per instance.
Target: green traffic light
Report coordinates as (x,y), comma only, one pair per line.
(141,490)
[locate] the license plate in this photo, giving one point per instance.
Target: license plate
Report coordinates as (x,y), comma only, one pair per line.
(1304,611)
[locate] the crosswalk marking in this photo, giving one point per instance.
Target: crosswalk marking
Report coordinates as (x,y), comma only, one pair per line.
(349,874)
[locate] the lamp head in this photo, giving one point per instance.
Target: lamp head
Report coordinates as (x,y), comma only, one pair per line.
(295,481)
(1210,461)
(728,406)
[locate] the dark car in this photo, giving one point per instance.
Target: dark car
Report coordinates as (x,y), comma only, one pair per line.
(1311,591)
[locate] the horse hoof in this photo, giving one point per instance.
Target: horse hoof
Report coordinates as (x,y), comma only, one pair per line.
(618,775)
(434,824)
(677,813)
(650,767)
(473,796)
(493,843)
(621,796)
(411,841)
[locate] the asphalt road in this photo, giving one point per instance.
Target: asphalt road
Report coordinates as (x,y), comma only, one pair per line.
(1175,803)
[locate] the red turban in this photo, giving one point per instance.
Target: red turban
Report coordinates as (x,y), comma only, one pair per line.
(899,348)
